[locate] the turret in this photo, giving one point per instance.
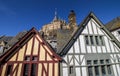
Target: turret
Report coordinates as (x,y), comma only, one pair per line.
(72,19)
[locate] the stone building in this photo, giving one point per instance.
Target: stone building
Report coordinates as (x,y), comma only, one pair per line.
(3,42)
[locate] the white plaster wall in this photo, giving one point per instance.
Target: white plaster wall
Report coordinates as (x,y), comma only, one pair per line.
(65,71)
(82,44)
(84,71)
(76,47)
(78,72)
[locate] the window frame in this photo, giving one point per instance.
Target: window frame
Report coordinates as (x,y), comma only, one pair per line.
(102,65)
(30,63)
(94,40)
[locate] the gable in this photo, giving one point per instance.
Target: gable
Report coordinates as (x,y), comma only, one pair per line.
(93,28)
(31,45)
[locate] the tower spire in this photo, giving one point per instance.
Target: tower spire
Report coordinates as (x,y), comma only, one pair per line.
(56,17)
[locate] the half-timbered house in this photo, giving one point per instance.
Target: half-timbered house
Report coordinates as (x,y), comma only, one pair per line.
(30,56)
(92,51)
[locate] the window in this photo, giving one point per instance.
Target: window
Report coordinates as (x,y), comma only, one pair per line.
(108,67)
(103,70)
(90,40)
(89,63)
(90,71)
(9,68)
(34,58)
(95,61)
(101,40)
(71,69)
(87,40)
(97,40)
(27,58)
(33,69)
(99,66)
(101,61)
(28,66)
(97,71)
(26,70)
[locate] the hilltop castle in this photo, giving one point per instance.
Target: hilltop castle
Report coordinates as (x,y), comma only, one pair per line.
(58,32)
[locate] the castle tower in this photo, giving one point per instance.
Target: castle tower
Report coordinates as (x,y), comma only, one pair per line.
(72,19)
(56,17)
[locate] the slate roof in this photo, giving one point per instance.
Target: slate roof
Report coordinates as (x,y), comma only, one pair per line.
(16,38)
(6,39)
(66,48)
(114,24)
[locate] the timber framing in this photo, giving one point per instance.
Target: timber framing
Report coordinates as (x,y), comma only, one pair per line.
(35,53)
(66,48)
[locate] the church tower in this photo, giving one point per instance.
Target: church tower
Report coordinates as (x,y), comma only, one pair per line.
(56,17)
(72,20)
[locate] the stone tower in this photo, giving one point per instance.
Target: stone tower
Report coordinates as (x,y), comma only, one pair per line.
(72,20)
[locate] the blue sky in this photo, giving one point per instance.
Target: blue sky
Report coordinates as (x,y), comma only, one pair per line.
(20,15)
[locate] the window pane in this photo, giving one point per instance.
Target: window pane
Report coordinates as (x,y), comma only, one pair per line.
(9,68)
(101,61)
(91,40)
(89,62)
(96,39)
(101,40)
(26,70)
(71,69)
(97,71)
(87,40)
(107,61)
(27,58)
(34,70)
(109,69)
(34,58)
(103,70)
(95,61)
(90,73)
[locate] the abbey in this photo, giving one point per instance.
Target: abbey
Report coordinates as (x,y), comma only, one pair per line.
(58,31)
(62,49)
